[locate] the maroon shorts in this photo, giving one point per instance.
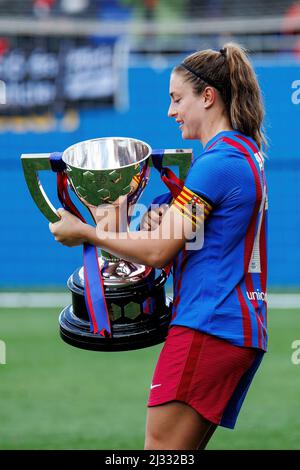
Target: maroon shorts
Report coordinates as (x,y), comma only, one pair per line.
(208,373)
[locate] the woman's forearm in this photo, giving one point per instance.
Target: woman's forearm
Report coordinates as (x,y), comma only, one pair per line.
(110,217)
(138,247)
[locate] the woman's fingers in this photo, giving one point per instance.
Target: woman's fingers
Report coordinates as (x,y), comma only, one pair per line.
(152,218)
(149,220)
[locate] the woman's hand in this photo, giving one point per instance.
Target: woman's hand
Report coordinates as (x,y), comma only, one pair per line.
(69,230)
(152,219)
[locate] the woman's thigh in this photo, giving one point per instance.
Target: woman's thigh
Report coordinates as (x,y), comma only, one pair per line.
(176,426)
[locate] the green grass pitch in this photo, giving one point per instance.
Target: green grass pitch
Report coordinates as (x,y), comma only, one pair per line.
(54,396)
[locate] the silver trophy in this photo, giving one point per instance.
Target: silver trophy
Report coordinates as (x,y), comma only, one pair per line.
(99,171)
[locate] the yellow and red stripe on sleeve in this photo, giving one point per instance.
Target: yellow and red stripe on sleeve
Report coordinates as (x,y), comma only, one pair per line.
(192,207)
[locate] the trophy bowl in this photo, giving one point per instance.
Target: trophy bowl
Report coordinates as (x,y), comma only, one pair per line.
(101,170)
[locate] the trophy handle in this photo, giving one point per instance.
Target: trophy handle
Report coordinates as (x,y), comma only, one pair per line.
(32,163)
(178,157)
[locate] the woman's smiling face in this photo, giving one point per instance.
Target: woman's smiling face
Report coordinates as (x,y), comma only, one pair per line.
(186,107)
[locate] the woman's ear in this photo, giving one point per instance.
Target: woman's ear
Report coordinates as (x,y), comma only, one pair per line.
(209,96)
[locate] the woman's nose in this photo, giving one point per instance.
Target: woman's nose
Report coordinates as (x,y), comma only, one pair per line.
(171,112)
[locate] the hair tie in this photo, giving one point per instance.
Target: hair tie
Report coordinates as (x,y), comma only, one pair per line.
(223,52)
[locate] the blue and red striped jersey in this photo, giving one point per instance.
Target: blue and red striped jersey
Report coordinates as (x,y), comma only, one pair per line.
(220,289)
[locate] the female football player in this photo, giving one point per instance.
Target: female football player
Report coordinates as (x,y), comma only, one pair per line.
(217,335)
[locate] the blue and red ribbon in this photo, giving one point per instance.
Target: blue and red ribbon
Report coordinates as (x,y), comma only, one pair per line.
(94,287)
(174,183)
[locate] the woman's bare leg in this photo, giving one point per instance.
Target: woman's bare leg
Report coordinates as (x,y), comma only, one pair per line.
(176,426)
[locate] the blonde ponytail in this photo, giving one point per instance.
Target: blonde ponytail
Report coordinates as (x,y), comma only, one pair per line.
(246,107)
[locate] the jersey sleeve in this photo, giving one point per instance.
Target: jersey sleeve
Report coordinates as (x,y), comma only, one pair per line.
(207,183)
(210,177)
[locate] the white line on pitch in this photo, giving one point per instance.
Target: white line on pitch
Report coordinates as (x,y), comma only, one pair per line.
(60,299)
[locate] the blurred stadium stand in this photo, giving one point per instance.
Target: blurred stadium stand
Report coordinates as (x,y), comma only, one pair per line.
(152,36)
(155,26)
(151,9)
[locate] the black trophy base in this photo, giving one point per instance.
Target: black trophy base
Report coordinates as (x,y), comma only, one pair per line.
(132,325)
